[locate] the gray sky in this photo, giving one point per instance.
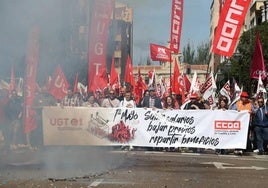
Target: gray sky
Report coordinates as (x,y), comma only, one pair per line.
(152,24)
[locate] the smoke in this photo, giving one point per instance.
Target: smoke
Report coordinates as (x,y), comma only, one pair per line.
(17,18)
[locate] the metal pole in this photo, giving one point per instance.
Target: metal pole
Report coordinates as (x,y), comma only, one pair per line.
(170,82)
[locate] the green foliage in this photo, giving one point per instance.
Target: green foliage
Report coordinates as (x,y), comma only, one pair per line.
(241,63)
(198,56)
(188,54)
(202,56)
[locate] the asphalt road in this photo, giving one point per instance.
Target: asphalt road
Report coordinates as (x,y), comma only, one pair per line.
(106,167)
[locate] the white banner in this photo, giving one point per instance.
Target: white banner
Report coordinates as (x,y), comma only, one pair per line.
(139,127)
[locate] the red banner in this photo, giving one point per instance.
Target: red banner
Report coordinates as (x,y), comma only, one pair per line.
(58,85)
(160,53)
(32,58)
(257,65)
(230,22)
(100,20)
(176,25)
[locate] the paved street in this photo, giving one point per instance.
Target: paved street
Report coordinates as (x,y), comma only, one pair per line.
(95,167)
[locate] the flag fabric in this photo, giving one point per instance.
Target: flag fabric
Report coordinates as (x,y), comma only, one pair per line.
(82,89)
(75,90)
(114,77)
(4,85)
(235,96)
(129,77)
(20,87)
(177,81)
(160,53)
(176,25)
(187,83)
(195,84)
(59,84)
(31,61)
(98,37)
(151,76)
(12,84)
(261,91)
(226,91)
(229,26)
(140,87)
(208,89)
(163,86)
(257,65)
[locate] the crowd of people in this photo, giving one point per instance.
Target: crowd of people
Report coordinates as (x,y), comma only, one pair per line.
(11,112)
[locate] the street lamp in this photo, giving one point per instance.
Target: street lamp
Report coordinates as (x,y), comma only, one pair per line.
(228,65)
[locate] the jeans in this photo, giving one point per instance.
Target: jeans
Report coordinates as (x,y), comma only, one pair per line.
(262,137)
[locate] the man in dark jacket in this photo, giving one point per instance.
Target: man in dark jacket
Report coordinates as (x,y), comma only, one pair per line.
(261,126)
(152,101)
(14,114)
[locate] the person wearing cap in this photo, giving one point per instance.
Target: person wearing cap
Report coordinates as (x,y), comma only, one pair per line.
(195,103)
(152,101)
(244,104)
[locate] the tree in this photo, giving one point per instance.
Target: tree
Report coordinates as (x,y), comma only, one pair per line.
(148,61)
(241,62)
(188,54)
(202,54)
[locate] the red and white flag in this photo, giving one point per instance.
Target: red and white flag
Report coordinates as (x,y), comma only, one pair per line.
(160,53)
(235,96)
(208,89)
(176,25)
(257,65)
(59,84)
(229,26)
(98,37)
(226,91)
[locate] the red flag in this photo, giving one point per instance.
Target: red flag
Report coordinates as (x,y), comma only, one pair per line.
(160,53)
(76,83)
(230,22)
(176,25)
(187,83)
(59,84)
(129,78)
(257,65)
(177,81)
(140,87)
(31,61)
(98,37)
(113,74)
(12,80)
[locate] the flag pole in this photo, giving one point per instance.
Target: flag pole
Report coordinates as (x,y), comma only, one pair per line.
(170,82)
